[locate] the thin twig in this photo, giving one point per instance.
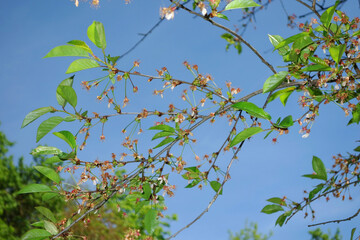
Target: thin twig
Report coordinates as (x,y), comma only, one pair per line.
(226,178)
(240,38)
(336,221)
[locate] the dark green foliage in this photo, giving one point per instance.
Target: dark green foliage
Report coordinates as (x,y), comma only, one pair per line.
(17,212)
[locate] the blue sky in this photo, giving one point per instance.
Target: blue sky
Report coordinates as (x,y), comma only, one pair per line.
(29,29)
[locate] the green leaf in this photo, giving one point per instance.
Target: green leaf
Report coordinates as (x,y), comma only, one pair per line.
(80,44)
(163,128)
(193,183)
(34,188)
(39,224)
(36,234)
(50,227)
(147,191)
(318,61)
(164,142)
(67,93)
(268,209)
(219,15)
(45,150)
(162,134)
(290,40)
(216,186)
(316,68)
(313,176)
(352,233)
(315,191)
(192,169)
(235,4)
(96,34)
(46,213)
(277,200)
(66,51)
(252,109)
(285,123)
(336,52)
(46,126)
(274,81)
(32,116)
(357,149)
(245,134)
(47,196)
(327,15)
(275,40)
(281,219)
(283,94)
(68,137)
(319,167)
(49,173)
(52,160)
(82,64)
(150,220)
(67,82)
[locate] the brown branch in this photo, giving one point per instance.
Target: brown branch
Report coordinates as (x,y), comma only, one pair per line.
(336,221)
(312,8)
(240,38)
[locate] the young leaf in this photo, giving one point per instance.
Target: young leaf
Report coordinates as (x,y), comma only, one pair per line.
(235,4)
(46,213)
(268,209)
(336,52)
(216,186)
(82,64)
(281,219)
(164,142)
(66,51)
(67,137)
(219,15)
(193,183)
(162,127)
(147,191)
(357,149)
(67,82)
(316,68)
(50,195)
(275,40)
(45,150)
(162,134)
(318,61)
(67,93)
(80,44)
(274,81)
(283,92)
(328,14)
(352,233)
(46,126)
(34,188)
(290,40)
(50,227)
(96,34)
(49,173)
(32,116)
(245,134)
(277,200)
(315,191)
(150,220)
(52,160)
(285,123)
(36,234)
(252,109)
(319,168)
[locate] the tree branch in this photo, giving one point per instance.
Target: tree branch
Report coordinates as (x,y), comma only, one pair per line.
(336,221)
(240,38)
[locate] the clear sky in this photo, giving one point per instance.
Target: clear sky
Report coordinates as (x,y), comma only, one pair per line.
(29,29)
